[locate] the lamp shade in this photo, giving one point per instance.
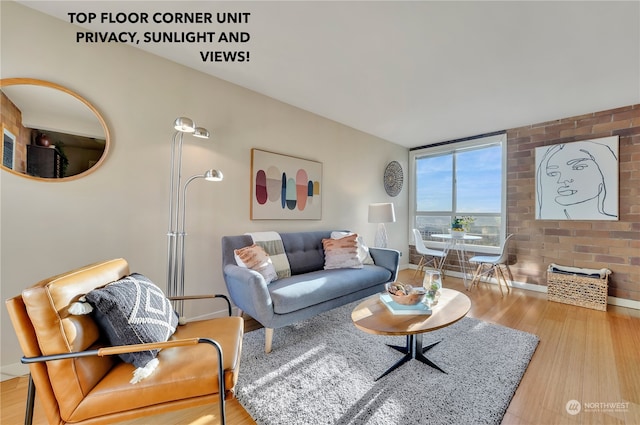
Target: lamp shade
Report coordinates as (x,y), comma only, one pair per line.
(201,132)
(382,213)
(213,175)
(184,124)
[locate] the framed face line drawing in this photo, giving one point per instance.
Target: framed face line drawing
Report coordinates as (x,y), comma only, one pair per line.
(578,180)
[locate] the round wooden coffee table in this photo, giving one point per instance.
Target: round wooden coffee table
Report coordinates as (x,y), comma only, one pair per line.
(373,317)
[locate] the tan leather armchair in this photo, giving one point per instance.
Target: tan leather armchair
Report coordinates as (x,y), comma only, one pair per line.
(80,381)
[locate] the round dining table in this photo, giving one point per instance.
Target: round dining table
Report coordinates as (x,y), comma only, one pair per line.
(457,243)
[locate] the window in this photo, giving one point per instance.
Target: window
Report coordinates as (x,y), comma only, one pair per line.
(8,151)
(461,178)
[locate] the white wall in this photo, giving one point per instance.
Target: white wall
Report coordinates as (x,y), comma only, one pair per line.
(121,209)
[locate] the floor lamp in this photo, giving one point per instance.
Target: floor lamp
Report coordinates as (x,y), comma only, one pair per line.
(175,241)
(381,213)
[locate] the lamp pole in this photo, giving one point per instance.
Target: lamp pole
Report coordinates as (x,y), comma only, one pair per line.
(176,162)
(212,176)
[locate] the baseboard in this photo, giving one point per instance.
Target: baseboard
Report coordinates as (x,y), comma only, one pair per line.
(13,370)
(620,302)
(213,315)
(623,302)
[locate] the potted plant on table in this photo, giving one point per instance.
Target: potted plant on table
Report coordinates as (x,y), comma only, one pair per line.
(461,225)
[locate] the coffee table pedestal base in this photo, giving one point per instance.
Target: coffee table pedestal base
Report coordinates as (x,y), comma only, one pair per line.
(413,350)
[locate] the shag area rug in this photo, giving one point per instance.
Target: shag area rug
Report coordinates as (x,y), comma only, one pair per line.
(322,371)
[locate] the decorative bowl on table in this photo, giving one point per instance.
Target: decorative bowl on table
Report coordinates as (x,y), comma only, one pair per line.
(405,294)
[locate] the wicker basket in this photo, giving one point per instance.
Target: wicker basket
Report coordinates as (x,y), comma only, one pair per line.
(583,291)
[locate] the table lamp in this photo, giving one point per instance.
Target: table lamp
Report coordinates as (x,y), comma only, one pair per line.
(381,213)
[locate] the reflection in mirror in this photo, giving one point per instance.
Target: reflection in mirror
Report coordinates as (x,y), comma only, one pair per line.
(49,132)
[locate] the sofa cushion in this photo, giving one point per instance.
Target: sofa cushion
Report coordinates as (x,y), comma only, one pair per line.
(254,257)
(341,253)
(133,310)
(301,291)
(180,371)
(305,250)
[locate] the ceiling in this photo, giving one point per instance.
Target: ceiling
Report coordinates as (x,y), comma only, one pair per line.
(52,110)
(413,73)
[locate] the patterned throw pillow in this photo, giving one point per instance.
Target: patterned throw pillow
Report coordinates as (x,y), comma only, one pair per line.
(363,249)
(133,310)
(256,258)
(341,253)
(271,242)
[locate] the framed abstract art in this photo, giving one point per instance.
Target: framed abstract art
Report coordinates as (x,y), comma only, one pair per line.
(285,187)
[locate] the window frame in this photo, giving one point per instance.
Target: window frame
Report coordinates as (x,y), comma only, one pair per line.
(446,148)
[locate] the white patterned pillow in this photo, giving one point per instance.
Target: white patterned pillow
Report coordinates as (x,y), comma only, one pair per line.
(133,310)
(256,258)
(341,253)
(363,250)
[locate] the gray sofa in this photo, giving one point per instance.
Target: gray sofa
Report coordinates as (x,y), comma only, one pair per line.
(310,289)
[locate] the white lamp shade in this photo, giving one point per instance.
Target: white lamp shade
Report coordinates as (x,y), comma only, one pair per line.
(213,175)
(382,213)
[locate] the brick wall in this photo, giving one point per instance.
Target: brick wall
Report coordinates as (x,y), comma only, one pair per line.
(11,119)
(592,244)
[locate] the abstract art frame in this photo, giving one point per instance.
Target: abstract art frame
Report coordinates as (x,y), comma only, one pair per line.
(285,187)
(578,180)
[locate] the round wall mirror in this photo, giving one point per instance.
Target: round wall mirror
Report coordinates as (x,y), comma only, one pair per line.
(49,132)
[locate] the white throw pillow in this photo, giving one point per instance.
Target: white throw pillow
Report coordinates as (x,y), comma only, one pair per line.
(363,250)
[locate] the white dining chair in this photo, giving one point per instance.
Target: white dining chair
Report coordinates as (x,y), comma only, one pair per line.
(492,265)
(437,257)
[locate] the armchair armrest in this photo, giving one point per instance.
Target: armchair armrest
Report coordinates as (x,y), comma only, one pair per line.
(200,297)
(121,349)
(118,349)
(387,258)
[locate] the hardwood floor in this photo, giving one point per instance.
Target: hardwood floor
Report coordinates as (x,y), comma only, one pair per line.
(14,394)
(589,356)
